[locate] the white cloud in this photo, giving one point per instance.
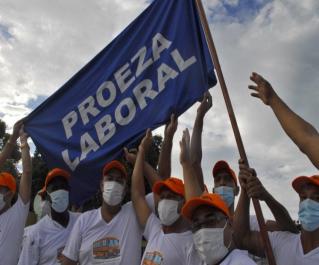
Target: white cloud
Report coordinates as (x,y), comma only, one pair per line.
(51,40)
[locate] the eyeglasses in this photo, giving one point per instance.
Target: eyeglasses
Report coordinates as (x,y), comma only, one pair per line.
(211,222)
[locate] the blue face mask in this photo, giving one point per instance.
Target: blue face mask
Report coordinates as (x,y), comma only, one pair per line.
(227,193)
(309,215)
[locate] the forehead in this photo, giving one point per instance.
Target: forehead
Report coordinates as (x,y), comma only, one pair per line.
(166,191)
(114,173)
(57,181)
(205,212)
(309,189)
(4,189)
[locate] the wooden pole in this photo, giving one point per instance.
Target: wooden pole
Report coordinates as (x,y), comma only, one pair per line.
(240,145)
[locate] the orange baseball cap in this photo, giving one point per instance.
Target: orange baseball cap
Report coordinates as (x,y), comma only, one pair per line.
(174,184)
(223,165)
(210,199)
(56,172)
(302,180)
(7,180)
(114,165)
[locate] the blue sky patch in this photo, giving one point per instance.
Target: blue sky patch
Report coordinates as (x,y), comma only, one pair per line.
(4,32)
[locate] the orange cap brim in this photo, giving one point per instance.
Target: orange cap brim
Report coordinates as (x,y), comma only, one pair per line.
(299,182)
(158,186)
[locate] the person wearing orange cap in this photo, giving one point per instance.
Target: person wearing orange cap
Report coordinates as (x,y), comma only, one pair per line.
(288,248)
(13,217)
(212,231)
(168,235)
(110,234)
(301,132)
(43,242)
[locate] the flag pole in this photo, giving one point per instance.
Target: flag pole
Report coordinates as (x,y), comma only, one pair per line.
(240,145)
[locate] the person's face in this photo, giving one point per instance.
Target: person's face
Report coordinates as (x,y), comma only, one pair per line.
(309,191)
(223,178)
(7,195)
(209,217)
(113,175)
(58,183)
(167,194)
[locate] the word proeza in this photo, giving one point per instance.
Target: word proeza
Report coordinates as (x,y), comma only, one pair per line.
(108,91)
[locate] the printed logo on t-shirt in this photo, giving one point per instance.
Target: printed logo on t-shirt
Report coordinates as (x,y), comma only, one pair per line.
(107,248)
(59,255)
(153,258)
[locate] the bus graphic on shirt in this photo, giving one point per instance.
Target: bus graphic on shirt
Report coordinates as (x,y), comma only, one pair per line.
(106,248)
(153,258)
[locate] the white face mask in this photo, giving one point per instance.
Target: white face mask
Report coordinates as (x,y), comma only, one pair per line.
(113,192)
(168,211)
(2,202)
(59,200)
(209,243)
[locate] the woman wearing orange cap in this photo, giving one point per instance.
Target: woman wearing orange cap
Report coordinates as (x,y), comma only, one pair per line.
(13,217)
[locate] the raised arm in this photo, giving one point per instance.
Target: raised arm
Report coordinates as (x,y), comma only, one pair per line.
(9,147)
(26,178)
(302,133)
(149,172)
(196,142)
(138,186)
(164,162)
(244,237)
(256,190)
(192,186)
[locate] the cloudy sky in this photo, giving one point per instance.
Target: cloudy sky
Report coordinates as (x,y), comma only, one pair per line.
(43,43)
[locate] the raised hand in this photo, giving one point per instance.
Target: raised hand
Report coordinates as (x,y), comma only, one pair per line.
(16,130)
(171,127)
(147,140)
(185,148)
(263,89)
(130,155)
(206,104)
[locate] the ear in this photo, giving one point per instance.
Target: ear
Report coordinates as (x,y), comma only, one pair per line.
(236,191)
(101,185)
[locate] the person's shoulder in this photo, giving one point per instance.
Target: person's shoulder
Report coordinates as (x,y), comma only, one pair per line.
(239,257)
(284,235)
(88,215)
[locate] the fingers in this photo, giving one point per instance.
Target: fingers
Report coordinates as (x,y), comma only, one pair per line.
(255,95)
(252,87)
(256,78)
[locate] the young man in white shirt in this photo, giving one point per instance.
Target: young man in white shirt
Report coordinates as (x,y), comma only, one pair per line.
(169,238)
(288,248)
(43,242)
(212,231)
(110,234)
(13,217)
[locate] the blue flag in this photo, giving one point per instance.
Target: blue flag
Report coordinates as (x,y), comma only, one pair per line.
(158,65)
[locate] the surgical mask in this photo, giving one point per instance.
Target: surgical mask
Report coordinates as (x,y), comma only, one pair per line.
(227,193)
(113,192)
(168,211)
(209,243)
(309,215)
(59,200)
(2,202)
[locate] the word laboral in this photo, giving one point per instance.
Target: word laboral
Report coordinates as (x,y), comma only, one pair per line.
(108,91)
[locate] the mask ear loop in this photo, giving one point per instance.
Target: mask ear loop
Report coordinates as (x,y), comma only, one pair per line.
(231,238)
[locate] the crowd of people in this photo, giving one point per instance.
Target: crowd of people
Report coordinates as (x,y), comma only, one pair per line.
(182,221)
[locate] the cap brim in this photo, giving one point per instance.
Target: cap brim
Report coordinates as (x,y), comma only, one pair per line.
(193,204)
(161,184)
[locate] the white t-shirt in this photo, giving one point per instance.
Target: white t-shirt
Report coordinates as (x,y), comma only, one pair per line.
(238,257)
(12,223)
(166,249)
(93,241)
(43,242)
(288,249)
